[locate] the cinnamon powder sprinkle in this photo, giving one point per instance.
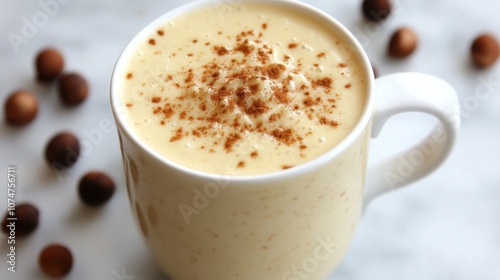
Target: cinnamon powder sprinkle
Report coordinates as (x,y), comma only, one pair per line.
(283,135)
(325,82)
(325,121)
(245,47)
(130,75)
(258,107)
(160,32)
(348,86)
(221,50)
(230,141)
(249,91)
(167,112)
(281,95)
(275,70)
(178,135)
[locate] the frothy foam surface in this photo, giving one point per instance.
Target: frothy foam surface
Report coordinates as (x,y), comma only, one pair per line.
(269,91)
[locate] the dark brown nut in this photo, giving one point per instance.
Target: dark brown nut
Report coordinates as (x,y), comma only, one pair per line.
(49,64)
(62,151)
(95,188)
(73,89)
(21,108)
(56,260)
(485,51)
(376,10)
(403,43)
(26,220)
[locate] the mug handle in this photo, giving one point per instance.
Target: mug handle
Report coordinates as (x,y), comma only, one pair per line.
(412,92)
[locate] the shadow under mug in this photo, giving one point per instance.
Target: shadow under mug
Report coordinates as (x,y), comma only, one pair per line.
(292,224)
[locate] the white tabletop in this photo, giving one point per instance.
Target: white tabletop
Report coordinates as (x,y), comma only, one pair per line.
(444,227)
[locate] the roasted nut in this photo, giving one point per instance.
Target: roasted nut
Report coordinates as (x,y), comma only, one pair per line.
(485,51)
(56,260)
(73,89)
(27,217)
(403,43)
(95,188)
(62,151)
(376,10)
(21,108)
(49,64)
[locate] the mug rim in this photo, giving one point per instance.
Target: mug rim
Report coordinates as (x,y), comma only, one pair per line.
(313,164)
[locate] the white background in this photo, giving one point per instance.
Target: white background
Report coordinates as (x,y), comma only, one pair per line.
(445,227)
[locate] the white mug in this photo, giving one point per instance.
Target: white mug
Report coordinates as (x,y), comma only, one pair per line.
(294,224)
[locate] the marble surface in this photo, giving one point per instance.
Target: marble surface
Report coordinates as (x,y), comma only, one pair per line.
(444,227)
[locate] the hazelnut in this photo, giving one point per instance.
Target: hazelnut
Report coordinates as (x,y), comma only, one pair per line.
(27,219)
(73,89)
(56,260)
(21,108)
(62,150)
(376,10)
(95,188)
(403,43)
(49,64)
(485,51)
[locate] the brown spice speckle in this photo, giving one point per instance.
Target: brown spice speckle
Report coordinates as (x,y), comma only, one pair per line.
(221,50)
(325,121)
(178,135)
(284,135)
(230,141)
(325,82)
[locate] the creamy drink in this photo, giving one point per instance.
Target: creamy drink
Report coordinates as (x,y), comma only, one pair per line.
(255,95)
(244,128)
(243,89)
